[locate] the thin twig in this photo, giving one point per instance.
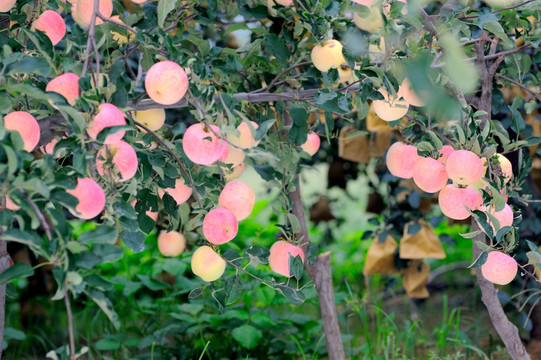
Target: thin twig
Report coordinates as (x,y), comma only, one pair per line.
(273,82)
(499,11)
(39,214)
(90,33)
(117,23)
(490,57)
(522,86)
(183,169)
(270,283)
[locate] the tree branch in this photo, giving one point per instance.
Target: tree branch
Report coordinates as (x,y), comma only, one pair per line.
(498,11)
(507,330)
(522,86)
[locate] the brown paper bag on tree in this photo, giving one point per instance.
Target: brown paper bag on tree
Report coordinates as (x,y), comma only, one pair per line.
(380,257)
(375,123)
(415,279)
(420,242)
(379,143)
(353,148)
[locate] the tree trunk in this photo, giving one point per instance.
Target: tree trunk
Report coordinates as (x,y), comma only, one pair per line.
(320,273)
(507,330)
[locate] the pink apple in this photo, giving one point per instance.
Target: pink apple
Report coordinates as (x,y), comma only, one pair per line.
(91,199)
(26,125)
(311,146)
(166,82)
(108,115)
(429,175)
(464,167)
(181,192)
(401,159)
(499,268)
(279,256)
(454,200)
(220,226)
(66,85)
(200,144)
(123,158)
(444,153)
(239,198)
(52,24)
(171,243)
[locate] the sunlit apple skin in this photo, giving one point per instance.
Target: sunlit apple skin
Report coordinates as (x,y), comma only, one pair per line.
(499,268)
(464,167)
(244,140)
(239,198)
(327,56)
(124,159)
(444,153)
(66,85)
(166,82)
(279,256)
(151,214)
(201,146)
(235,172)
(401,159)
(311,146)
(207,264)
(26,125)
(52,24)
(108,115)
(91,199)
(85,8)
(430,175)
(220,226)
(409,95)
(10,205)
(181,192)
(505,216)
(171,243)
(454,200)
(151,118)
(232,156)
(506,166)
(374,21)
(6,5)
(390,109)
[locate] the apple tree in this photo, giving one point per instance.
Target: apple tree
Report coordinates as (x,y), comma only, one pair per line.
(140,115)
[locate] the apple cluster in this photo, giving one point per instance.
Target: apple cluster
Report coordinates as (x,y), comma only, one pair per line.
(462,194)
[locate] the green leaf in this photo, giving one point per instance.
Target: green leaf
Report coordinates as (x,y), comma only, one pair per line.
(278,48)
(107,345)
(102,234)
(296,268)
(263,128)
(496,28)
(18,270)
(164,8)
(30,65)
(107,252)
(462,73)
(111,130)
(152,284)
(134,240)
(481,259)
(247,336)
(295,224)
(106,306)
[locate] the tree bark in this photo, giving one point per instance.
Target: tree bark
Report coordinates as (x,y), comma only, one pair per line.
(506,329)
(321,275)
